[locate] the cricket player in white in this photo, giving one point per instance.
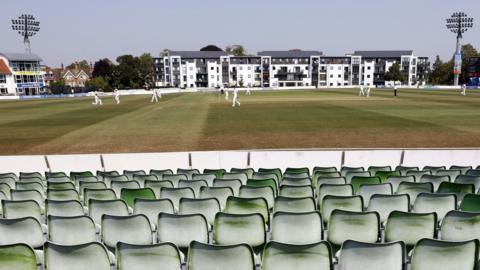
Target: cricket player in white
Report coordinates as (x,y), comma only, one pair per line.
(361,91)
(248,91)
(235,98)
(97,101)
(368,91)
(117,96)
(464,89)
(226,94)
(154,96)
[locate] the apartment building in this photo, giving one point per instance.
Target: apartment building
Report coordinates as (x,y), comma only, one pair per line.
(285,69)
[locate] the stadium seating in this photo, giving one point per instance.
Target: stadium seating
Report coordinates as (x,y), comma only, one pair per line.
(175,194)
(17,256)
(331,203)
(385,204)
(74,230)
(208,207)
(294,205)
(63,208)
(219,193)
(134,229)
(396,180)
(92,256)
(195,185)
(441,204)
(281,256)
(460,226)
(297,228)
(98,208)
(215,257)
(181,230)
(151,208)
(410,227)
(296,191)
(237,205)
(147,257)
(356,255)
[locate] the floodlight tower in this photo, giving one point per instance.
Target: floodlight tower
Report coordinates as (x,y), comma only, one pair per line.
(27,26)
(458,24)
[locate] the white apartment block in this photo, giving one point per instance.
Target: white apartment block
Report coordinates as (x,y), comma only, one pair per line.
(20,74)
(285,69)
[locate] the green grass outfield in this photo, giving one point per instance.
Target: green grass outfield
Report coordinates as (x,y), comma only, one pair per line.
(269,119)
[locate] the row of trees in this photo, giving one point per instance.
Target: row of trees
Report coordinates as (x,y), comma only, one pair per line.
(442,72)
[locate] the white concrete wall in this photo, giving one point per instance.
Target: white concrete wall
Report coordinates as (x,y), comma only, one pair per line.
(369,68)
(146,161)
(76,163)
(219,159)
(284,159)
(366,158)
(18,164)
(214,72)
(447,158)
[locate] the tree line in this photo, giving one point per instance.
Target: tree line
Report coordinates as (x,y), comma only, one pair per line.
(442,72)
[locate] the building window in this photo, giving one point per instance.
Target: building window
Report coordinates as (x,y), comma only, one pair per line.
(339,75)
(369,68)
(249,76)
(212,76)
(368,76)
(212,68)
(3,91)
(249,68)
(3,79)
(331,67)
(339,68)
(191,77)
(240,68)
(191,68)
(331,75)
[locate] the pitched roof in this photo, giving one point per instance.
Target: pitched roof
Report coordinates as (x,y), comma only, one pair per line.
(21,57)
(197,54)
(4,70)
(383,54)
(290,54)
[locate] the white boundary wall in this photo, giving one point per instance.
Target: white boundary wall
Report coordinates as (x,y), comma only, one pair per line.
(241,159)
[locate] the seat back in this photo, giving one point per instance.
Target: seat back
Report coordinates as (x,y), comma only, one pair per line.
(63,208)
(157,185)
(98,194)
(71,230)
(405,169)
(296,191)
(469,179)
(385,204)
(237,205)
(97,208)
(130,194)
(396,180)
(410,227)
(151,208)
(195,185)
(174,178)
(240,176)
(208,207)
(188,172)
(413,189)
(432,254)
(471,203)
(460,226)
(436,180)
(21,195)
(265,192)
(214,257)
(159,173)
(348,203)
(233,184)
(25,230)
(219,193)
(18,257)
(232,229)
(458,189)
(175,194)
(181,230)
(248,171)
(130,174)
(294,205)
(20,209)
(147,257)
(63,195)
(117,186)
(441,204)
(134,229)
(334,190)
(205,177)
(368,190)
(359,256)
(92,256)
(297,228)
(280,256)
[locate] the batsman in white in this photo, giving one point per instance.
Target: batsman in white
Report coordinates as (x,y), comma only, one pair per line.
(248,91)
(116,94)
(368,91)
(154,96)
(235,97)
(362,93)
(464,89)
(226,94)
(98,100)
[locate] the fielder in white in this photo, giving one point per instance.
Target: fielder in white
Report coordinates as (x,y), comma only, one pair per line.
(117,96)
(248,91)
(368,91)
(98,100)
(226,94)
(235,98)
(464,89)
(362,93)
(155,96)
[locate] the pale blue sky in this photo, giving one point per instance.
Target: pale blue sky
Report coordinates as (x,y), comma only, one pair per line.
(74,30)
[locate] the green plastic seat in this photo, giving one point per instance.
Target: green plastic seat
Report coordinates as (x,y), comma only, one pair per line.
(219,193)
(205,177)
(366,191)
(102,174)
(470,203)
(432,254)
(63,208)
(91,256)
(134,229)
(374,169)
(55,174)
(319,174)
(324,169)
(60,185)
(73,175)
(275,171)
(458,189)
(240,176)
(214,257)
(188,172)
(208,207)
(130,194)
(20,209)
(413,189)
(21,195)
(26,230)
(195,185)
(30,174)
(363,180)
(453,174)
(9,175)
(59,179)
(405,169)
(156,186)
(98,194)
(233,184)
(410,227)
(18,257)
(117,186)
(265,192)
(296,175)
(384,175)
(248,171)
(141,178)
(385,204)
(294,205)
(63,195)
(436,180)
(119,178)
(296,191)
(281,256)
(475,172)
(441,204)
(32,179)
(296,181)
(434,169)
(131,173)
(346,169)
(159,173)
(10,181)
(91,185)
(460,226)
(181,230)
(418,174)
(84,179)
(350,175)
(237,205)
(338,180)
(74,230)
(28,186)
(263,182)
(147,257)
(297,170)
(175,194)
(396,180)
(333,189)
(218,172)
(469,179)
(373,256)
(463,169)
(331,203)
(357,226)
(98,208)
(297,228)
(152,207)
(232,229)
